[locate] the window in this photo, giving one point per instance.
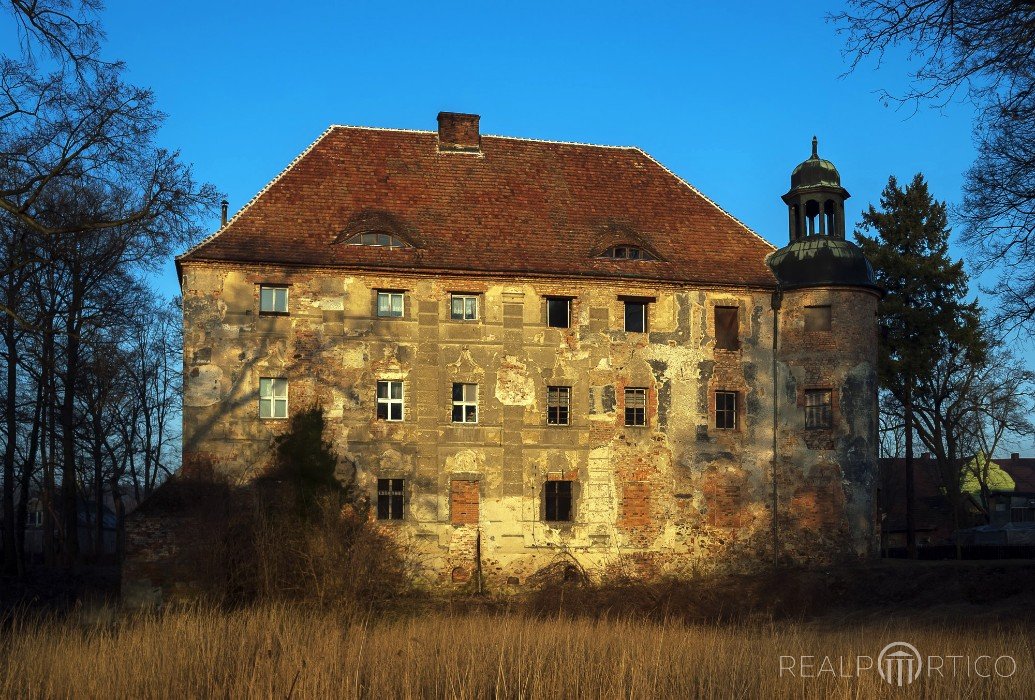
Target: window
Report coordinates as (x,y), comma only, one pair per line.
(817,408)
(727,328)
(390,401)
(558,312)
(726,410)
(463,307)
(377,238)
(635,316)
(273,397)
(389,499)
(558,501)
(636,407)
(465,403)
(558,400)
(273,300)
(1022,515)
(390,304)
(34,518)
(817,318)
(627,252)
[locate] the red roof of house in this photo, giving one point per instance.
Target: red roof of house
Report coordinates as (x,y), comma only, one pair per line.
(516,207)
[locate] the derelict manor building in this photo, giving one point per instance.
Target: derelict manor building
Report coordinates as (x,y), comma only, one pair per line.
(534,351)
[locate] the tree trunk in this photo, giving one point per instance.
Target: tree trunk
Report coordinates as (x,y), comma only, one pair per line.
(910,505)
(69,490)
(11,406)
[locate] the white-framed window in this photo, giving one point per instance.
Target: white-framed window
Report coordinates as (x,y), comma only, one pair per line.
(273,299)
(463,307)
(390,304)
(390,400)
(273,397)
(465,403)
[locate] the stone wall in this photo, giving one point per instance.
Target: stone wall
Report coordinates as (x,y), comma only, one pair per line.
(673,495)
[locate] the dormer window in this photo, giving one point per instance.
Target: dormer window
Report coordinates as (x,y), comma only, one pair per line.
(627,252)
(380,239)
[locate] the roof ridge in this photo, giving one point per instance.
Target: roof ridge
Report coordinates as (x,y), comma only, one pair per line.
(254,199)
(485,136)
(705,197)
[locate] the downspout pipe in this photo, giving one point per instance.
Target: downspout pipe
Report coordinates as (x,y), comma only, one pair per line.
(776,303)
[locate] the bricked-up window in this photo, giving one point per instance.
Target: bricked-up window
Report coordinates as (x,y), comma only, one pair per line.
(558,312)
(465,403)
(557,495)
(817,408)
(727,328)
(726,410)
(635,316)
(635,406)
(273,397)
(389,400)
(390,304)
(389,499)
(463,307)
(817,318)
(558,401)
(273,299)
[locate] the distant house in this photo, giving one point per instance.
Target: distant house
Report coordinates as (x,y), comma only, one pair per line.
(1008,518)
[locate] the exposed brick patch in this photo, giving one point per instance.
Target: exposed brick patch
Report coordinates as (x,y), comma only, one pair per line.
(463,502)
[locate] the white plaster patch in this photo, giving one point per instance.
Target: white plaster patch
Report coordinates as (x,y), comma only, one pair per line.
(513,385)
(203,388)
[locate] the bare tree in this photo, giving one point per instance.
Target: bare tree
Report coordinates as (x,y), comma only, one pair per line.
(982,51)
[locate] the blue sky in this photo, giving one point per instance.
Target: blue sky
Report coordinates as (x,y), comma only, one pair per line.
(726,95)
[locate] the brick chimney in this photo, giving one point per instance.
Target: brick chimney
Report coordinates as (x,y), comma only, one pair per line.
(1015,456)
(458,133)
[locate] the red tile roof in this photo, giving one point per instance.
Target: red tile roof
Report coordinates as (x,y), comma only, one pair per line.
(518,207)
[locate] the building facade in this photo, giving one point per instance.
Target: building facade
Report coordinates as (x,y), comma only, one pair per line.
(536,352)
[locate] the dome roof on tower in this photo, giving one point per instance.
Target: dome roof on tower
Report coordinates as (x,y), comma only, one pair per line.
(819,261)
(815,171)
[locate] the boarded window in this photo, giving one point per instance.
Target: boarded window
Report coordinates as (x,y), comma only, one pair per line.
(817,318)
(557,498)
(635,407)
(726,410)
(558,401)
(558,312)
(463,502)
(727,328)
(389,499)
(818,408)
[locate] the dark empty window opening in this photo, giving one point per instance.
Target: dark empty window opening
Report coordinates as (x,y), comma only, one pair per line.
(635,316)
(727,327)
(726,410)
(558,501)
(380,239)
(636,407)
(558,312)
(817,318)
(812,217)
(558,402)
(627,252)
(818,408)
(389,499)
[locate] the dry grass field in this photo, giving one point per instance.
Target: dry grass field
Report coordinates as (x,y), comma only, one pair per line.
(279,651)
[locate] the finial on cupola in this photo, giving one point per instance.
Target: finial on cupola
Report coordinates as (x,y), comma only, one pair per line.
(815,147)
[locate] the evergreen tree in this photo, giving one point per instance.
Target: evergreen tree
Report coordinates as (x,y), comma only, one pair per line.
(931,340)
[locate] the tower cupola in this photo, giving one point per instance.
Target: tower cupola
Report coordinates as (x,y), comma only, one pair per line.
(816,200)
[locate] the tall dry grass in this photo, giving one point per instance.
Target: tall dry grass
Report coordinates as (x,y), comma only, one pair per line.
(278,651)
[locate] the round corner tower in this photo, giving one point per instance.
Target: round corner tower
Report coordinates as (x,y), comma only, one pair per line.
(826,375)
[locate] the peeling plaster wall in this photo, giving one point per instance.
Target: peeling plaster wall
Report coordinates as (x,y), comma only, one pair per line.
(674,495)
